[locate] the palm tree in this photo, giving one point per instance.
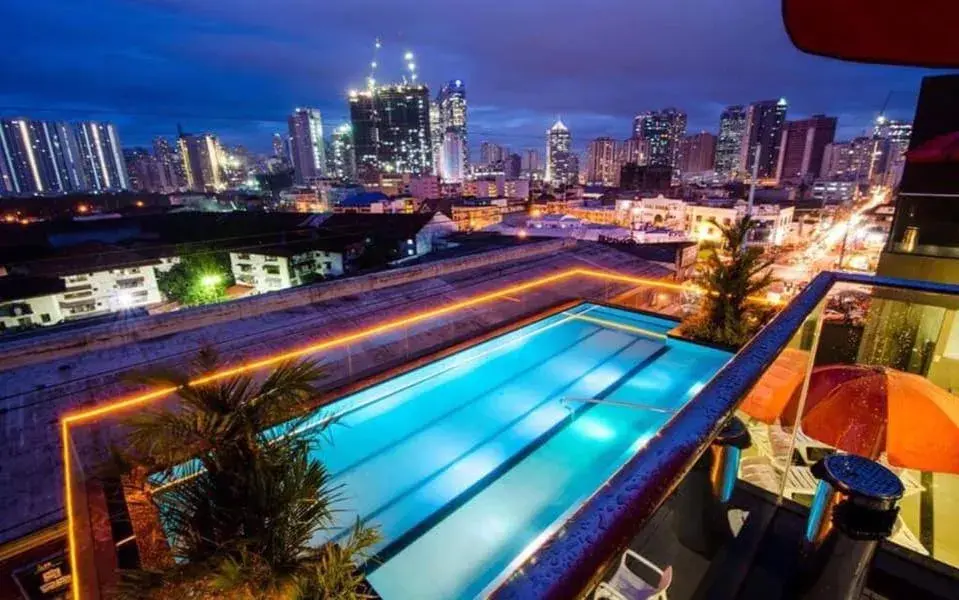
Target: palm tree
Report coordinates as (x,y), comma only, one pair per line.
(247,500)
(730,275)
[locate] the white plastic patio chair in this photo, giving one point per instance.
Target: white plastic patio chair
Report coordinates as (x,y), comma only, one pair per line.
(627,584)
(764,472)
(903,536)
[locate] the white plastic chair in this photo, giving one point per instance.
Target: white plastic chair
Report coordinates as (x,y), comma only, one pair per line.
(627,584)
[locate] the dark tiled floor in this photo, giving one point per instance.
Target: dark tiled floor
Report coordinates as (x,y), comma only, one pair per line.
(763,561)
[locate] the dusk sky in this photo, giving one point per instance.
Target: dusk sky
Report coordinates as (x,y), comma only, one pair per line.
(237,67)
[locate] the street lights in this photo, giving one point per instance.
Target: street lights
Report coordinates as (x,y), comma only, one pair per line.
(212,280)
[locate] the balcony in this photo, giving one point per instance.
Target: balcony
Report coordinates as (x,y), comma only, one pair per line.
(654,504)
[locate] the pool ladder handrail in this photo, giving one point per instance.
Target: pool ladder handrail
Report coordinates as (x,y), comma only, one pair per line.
(565,402)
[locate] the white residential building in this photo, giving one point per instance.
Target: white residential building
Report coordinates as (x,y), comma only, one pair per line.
(87,291)
(29,302)
(112,290)
(774,222)
(269,271)
(659,211)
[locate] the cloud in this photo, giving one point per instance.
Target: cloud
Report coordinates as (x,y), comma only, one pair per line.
(232,65)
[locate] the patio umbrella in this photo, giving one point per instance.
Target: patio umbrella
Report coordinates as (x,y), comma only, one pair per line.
(868,410)
(781,381)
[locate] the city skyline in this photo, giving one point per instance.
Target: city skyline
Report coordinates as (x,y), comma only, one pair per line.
(239,72)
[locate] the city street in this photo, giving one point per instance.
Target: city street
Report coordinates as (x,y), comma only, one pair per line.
(796,267)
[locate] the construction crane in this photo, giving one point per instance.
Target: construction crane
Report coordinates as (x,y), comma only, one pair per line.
(410,66)
(371,80)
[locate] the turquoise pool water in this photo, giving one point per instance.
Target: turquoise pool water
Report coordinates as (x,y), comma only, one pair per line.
(466,464)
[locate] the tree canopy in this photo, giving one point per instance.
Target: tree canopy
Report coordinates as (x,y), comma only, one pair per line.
(201,277)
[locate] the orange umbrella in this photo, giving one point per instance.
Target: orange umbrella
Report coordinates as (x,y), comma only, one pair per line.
(868,410)
(777,386)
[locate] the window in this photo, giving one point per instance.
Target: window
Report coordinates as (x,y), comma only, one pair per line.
(76,295)
(327,265)
(271,269)
(125,284)
(245,268)
(45,317)
(243,257)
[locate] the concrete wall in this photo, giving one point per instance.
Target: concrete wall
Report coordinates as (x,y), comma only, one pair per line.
(68,343)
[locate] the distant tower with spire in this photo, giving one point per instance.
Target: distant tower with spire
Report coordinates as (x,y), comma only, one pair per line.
(559,172)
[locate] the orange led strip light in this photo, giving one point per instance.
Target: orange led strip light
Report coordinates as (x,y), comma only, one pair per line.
(83,416)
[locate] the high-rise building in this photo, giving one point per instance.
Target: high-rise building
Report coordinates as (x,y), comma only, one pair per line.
(46,157)
(559,167)
(39,157)
(729,144)
(23,173)
(453,157)
(168,164)
(850,161)
(602,168)
(436,136)
(101,157)
(633,151)
(764,130)
(391,130)
(894,137)
(341,156)
(306,142)
(451,106)
(697,153)
(803,145)
(492,154)
(662,130)
(531,162)
(924,240)
(201,156)
(513,166)
(144,171)
(279,146)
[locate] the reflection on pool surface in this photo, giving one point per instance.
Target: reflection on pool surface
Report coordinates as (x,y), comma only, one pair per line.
(464,464)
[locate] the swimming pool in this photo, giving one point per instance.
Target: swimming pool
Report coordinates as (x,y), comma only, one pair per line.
(466,464)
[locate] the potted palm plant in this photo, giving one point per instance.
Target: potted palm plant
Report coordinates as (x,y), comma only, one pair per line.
(731,273)
(246,501)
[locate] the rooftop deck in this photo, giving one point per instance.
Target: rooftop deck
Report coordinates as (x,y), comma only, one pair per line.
(35,395)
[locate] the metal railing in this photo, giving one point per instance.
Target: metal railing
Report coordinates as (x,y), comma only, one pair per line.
(575,557)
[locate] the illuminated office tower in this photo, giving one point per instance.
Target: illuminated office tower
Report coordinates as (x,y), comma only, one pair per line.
(560,170)
(202,165)
(803,145)
(342,158)
(101,157)
(452,113)
(764,130)
(602,167)
(40,157)
(306,145)
(663,131)
(729,143)
(453,157)
(391,130)
(697,153)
